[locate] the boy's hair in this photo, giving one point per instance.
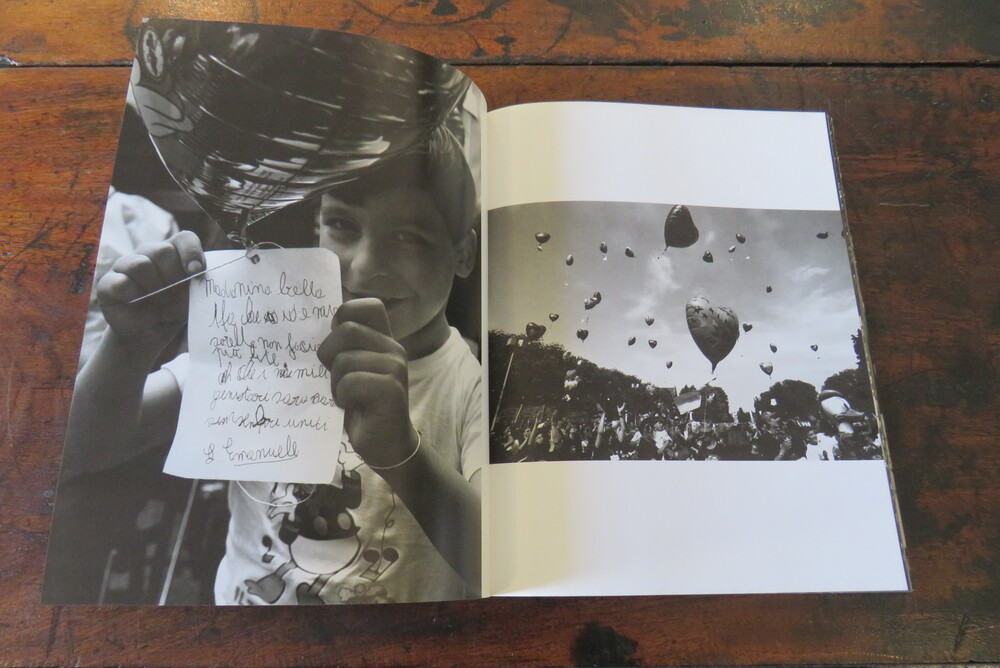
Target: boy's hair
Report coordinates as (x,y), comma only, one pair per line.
(436,165)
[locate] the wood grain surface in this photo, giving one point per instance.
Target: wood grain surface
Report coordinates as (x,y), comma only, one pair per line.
(920,160)
(42,32)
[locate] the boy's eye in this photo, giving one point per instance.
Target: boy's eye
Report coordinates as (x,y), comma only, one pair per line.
(341,225)
(408,237)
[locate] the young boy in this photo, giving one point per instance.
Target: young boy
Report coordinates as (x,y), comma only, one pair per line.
(402,522)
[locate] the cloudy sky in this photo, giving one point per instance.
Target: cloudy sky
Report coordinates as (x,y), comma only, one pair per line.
(812,301)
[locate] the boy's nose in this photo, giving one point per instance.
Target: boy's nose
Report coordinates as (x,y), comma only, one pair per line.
(364,261)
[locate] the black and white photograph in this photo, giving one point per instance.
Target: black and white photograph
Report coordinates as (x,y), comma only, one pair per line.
(279,398)
(636,331)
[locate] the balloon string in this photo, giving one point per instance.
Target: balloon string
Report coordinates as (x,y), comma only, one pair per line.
(249,255)
(275,505)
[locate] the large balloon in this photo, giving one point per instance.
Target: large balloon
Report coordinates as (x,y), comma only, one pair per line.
(679,230)
(714,329)
(534,331)
(245,131)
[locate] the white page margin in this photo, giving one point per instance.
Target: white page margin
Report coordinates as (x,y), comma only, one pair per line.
(602,151)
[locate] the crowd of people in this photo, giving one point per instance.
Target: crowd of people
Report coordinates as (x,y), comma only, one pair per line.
(541,433)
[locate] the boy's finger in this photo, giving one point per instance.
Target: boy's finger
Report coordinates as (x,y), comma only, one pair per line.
(350,361)
(189,251)
(356,336)
(166,261)
(364,390)
(141,270)
(367,311)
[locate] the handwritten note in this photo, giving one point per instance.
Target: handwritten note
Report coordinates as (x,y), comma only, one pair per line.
(257,403)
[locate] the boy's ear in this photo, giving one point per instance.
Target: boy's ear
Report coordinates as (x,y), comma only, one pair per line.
(467,252)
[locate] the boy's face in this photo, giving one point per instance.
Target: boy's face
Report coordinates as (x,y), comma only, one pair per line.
(395,246)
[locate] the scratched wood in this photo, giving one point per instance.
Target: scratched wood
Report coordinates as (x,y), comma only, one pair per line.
(918,151)
(41,32)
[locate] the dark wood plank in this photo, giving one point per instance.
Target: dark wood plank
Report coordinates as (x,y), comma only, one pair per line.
(918,152)
(40,32)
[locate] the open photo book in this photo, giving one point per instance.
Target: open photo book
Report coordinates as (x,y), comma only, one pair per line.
(353,338)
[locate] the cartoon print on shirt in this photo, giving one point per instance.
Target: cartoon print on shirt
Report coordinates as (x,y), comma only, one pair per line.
(319,530)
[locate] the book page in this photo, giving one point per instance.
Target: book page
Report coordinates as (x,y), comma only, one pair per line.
(679,394)
(325,406)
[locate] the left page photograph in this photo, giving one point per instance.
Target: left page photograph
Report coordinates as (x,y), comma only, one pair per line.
(280,393)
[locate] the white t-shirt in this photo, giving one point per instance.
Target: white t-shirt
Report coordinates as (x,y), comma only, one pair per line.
(354,541)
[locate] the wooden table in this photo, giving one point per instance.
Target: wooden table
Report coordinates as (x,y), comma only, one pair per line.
(914,93)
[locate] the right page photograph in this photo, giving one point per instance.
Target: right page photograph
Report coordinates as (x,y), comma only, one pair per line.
(680,396)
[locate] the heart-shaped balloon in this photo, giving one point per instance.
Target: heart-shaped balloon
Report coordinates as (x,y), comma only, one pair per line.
(553,316)
(679,230)
(542,237)
(707,257)
(747,327)
(714,329)
(649,320)
(767,368)
(774,348)
(582,334)
(534,331)
(669,364)
(629,252)
(652,343)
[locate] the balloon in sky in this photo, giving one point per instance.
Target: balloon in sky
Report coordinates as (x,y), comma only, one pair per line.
(769,289)
(774,348)
(679,230)
(582,334)
(822,235)
(747,327)
(591,302)
(669,364)
(629,252)
(652,343)
(604,247)
(569,260)
(767,368)
(539,246)
(742,239)
(714,329)
(814,347)
(631,340)
(534,331)
(649,320)
(553,316)
(707,257)
(542,237)
(732,249)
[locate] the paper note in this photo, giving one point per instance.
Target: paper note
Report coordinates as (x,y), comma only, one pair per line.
(257,403)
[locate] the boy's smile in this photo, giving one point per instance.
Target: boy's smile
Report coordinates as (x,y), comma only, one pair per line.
(394,245)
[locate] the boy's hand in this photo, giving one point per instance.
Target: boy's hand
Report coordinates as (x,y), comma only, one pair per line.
(156,320)
(368,375)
